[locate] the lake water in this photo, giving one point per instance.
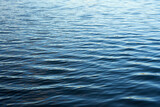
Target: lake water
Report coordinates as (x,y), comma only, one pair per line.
(78,53)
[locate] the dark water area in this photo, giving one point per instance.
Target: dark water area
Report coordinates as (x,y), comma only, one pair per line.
(80,53)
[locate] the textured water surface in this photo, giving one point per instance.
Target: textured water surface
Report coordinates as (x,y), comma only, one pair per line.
(77,53)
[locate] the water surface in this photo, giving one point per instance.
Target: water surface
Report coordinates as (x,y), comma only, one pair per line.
(80,53)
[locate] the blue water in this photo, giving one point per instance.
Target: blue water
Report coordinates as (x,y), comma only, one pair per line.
(80,53)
